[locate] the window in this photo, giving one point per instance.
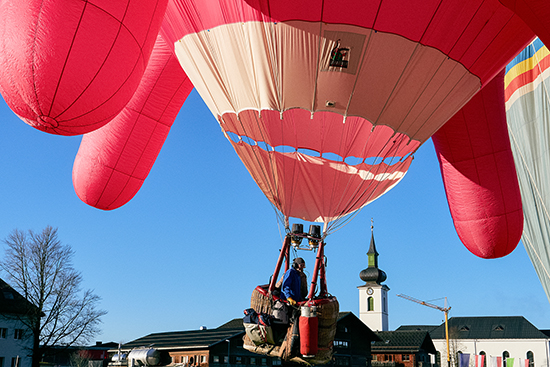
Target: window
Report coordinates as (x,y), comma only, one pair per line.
(505,355)
(530,356)
(3,332)
(405,357)
(8,295)
(484,358)
(276,362)
(1,361)
(252,360)
(370,304)
(264,362)
(226,359)
(216,359)
(341,343)
(14,362)
(239,360)
(342,328)
(18,334)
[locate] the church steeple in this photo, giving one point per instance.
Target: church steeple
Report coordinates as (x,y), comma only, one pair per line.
(373,296)
(372,274)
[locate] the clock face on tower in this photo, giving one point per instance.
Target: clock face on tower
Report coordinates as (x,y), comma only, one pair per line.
(370,291)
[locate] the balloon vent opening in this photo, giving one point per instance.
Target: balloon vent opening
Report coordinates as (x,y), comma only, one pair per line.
(47,121)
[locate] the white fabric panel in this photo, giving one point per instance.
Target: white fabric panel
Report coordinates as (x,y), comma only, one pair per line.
(389,79)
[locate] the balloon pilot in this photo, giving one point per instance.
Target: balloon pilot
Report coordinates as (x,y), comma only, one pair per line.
(294,284)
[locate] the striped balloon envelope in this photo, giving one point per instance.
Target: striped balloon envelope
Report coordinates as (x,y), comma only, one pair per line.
(528,111)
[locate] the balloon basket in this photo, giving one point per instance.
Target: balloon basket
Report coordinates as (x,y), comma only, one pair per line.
(289,348)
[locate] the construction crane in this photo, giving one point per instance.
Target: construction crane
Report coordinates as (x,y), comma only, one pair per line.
(444,309)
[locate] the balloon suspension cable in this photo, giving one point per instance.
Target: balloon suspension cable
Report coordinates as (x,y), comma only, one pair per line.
(280,220)
(338,224)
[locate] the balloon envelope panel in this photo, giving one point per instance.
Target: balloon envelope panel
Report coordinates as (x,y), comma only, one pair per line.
(69,67)
(113,161)
(479,174)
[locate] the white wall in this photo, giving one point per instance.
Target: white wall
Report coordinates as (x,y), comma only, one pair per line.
(517,348)
(13,348)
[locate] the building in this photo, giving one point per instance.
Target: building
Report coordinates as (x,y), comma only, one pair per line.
(16,338)
(223,346)
(412,348)
(492,336)
(373,296)
(353,342)
(74,356)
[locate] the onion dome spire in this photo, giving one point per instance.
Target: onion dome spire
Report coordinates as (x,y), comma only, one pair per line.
(372,274)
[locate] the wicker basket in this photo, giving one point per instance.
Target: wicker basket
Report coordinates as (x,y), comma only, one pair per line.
(327,313)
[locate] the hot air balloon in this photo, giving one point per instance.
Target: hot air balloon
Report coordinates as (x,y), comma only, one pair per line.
(326,102)
(527,105)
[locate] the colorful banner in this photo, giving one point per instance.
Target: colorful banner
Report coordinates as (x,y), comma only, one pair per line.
(463,360)
(479,360)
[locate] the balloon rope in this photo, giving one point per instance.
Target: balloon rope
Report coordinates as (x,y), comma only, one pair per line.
(529,173)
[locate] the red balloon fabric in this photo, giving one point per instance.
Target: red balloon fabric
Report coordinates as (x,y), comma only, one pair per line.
(479,174)
(113,161)
(69,67)
(535,13)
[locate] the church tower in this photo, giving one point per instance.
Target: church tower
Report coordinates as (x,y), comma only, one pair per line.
(373,296)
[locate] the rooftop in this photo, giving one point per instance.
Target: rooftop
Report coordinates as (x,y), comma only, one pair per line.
(11,302)
(483,327)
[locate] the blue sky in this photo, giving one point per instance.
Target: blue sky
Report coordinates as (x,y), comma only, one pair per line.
(191,246)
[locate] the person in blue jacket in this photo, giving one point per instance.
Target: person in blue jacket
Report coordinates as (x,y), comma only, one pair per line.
(294,287)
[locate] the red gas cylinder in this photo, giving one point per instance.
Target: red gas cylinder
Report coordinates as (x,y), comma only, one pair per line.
(309,328)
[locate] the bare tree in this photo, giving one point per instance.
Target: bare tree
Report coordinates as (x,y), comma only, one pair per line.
(80,358)
(455,347)
(40,267)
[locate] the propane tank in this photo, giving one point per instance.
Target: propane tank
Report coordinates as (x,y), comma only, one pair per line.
(119,357)
(144,357)
(309,328)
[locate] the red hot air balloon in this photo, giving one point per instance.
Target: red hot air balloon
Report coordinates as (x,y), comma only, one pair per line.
(325,102)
